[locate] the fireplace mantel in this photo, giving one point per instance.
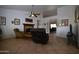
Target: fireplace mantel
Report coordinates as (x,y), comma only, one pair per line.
(28,23)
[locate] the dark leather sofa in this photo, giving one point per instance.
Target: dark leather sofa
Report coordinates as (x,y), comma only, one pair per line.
(39,35)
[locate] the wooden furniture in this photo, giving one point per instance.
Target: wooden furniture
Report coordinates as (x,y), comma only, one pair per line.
(27,27)
(18,33)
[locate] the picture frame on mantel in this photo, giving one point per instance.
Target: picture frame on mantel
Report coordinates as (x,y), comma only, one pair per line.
(16,21)
(2,20)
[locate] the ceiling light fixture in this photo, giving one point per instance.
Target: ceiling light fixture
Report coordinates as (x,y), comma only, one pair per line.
(33,14)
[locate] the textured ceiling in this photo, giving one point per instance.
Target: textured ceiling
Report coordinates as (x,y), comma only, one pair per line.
(47,10)
(29,7)
(50,13)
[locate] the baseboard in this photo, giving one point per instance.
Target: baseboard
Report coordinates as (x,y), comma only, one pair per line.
(61,37)
(8,38)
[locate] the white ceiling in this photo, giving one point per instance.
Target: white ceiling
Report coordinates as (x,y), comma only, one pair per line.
(29,7)
(47,10)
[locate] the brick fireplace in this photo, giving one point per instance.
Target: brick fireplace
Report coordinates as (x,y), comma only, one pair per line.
(28,26)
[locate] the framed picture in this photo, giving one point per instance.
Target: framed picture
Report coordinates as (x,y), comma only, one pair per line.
(2,20)
(64,22)
(16,21)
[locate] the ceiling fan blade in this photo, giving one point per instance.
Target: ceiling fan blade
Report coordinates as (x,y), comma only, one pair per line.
(36,13)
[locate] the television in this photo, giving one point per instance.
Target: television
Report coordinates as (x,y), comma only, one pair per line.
(28,20)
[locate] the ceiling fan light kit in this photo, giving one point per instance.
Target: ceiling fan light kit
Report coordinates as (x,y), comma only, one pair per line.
(34,14)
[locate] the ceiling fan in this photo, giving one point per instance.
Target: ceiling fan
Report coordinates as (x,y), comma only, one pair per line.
(34,14)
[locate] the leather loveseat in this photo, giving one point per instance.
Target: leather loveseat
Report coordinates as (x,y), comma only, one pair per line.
(39,35)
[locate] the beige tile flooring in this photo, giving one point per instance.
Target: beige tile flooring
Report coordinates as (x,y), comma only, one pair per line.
(27,46)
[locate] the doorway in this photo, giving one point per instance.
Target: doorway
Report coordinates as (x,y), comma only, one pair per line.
(53,26)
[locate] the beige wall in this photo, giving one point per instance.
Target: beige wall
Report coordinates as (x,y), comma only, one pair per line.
(66,12)
(10,15)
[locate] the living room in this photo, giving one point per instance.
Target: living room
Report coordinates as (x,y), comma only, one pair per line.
(19,16)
